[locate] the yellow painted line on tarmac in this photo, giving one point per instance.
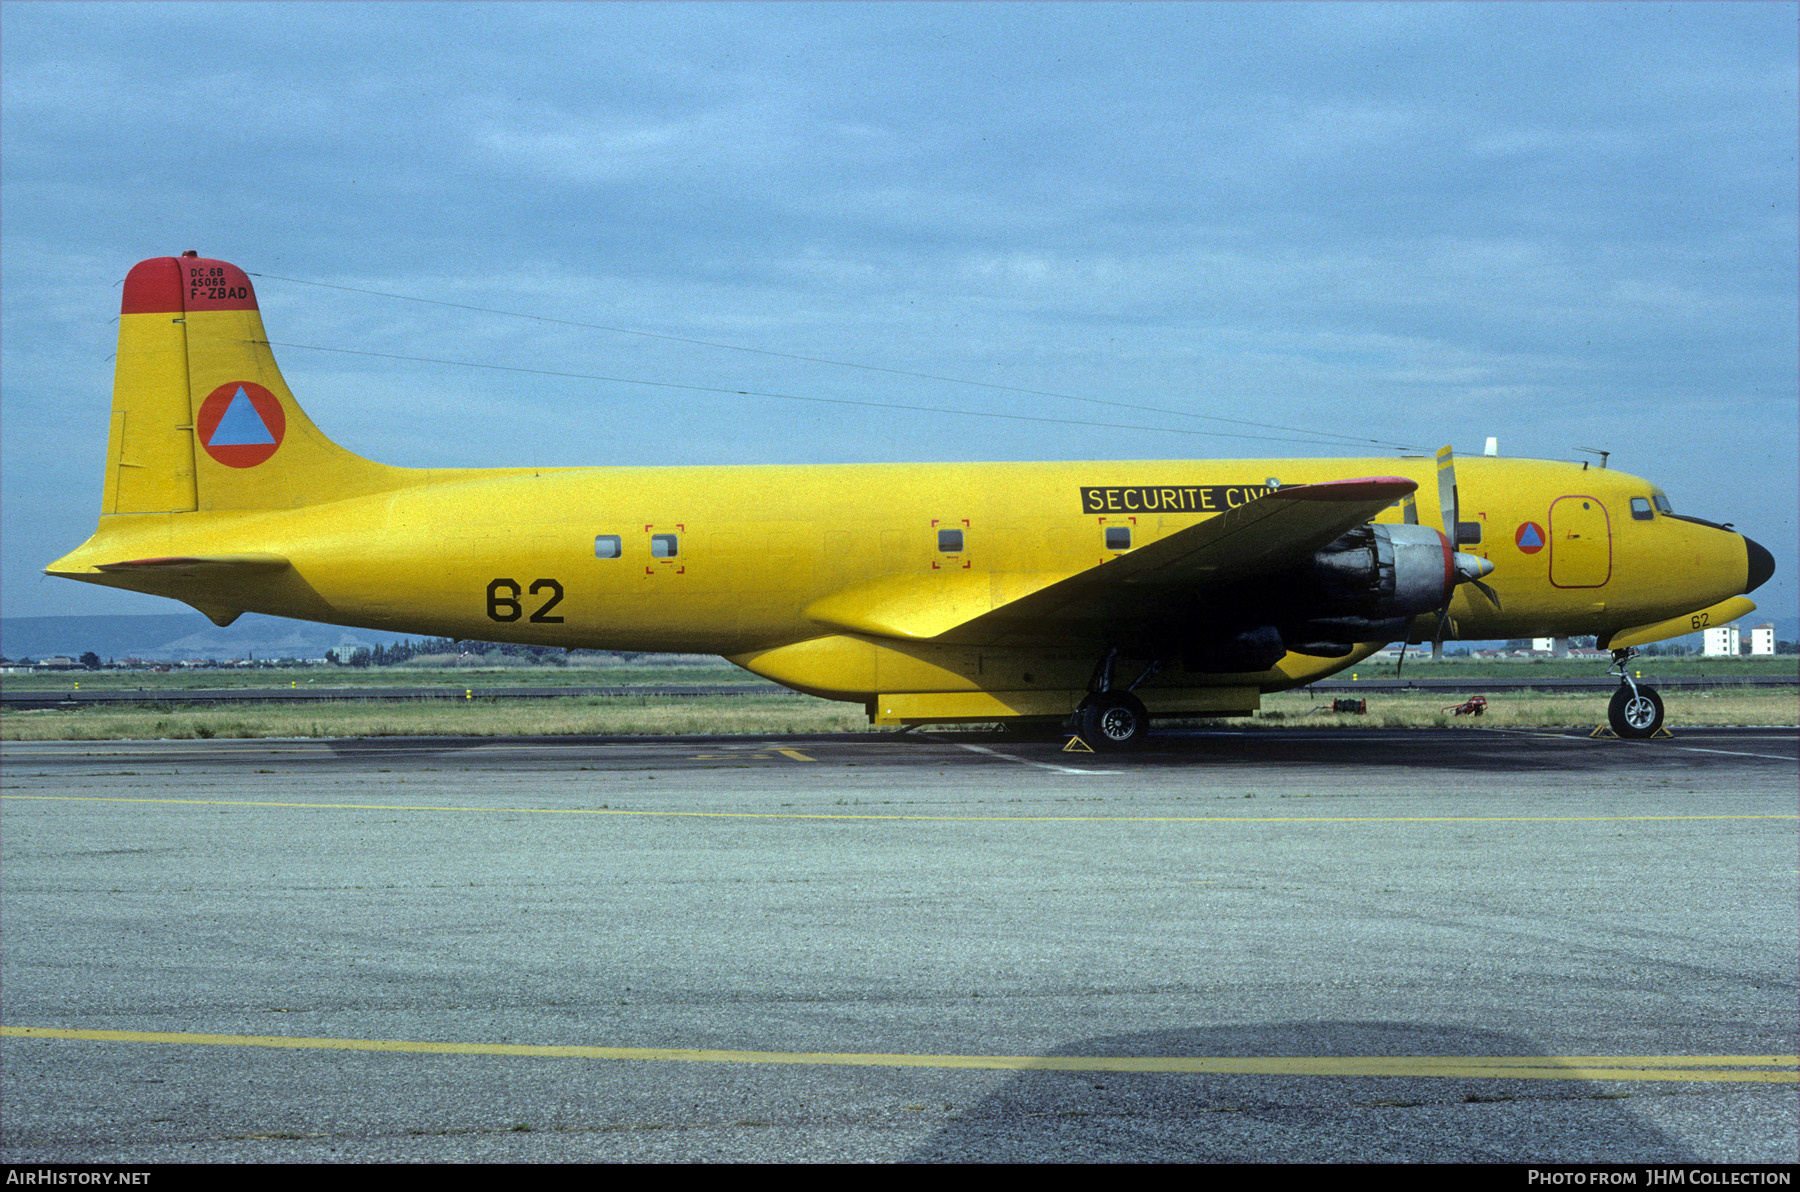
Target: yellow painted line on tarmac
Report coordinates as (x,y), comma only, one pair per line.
(796,755)
(1002,819)
(1764,1069)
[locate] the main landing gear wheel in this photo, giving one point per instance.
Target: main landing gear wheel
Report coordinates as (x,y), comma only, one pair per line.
(1635,713)
(1112,720)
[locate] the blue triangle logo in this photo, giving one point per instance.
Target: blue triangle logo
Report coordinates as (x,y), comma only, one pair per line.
(1528,538)
(241,425)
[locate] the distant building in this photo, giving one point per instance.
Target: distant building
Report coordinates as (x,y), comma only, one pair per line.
(1558,646)
(1762,639)
(1721,641)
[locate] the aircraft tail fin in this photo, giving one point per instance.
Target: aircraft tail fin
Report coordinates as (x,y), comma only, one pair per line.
(201,417)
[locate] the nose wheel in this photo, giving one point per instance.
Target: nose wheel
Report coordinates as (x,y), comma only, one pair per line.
(1636,710)
(1635,713)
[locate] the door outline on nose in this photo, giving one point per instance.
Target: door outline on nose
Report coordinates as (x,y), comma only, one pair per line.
(1576,565)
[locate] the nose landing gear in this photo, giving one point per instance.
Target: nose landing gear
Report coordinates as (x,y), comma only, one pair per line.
(1636,710)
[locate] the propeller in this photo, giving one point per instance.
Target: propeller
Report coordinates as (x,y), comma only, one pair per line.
(1468,568)
(1465,568)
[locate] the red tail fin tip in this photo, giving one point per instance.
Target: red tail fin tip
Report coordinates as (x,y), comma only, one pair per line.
(176,285)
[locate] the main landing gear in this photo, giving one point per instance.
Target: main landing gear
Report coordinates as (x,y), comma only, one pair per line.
(1636,710)
(1110,718)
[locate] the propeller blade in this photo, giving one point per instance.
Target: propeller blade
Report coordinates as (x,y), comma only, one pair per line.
(1466,568)
(1446,464)
(1405,641)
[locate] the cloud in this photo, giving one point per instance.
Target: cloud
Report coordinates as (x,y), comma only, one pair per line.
(1419,222)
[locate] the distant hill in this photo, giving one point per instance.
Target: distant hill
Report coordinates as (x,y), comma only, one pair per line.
(178,635)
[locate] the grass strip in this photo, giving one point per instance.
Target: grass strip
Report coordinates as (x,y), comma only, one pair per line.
(738,715)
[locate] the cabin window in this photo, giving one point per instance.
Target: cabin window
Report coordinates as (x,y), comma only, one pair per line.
(608,546)
(1468,533)
(1640,509)
(1118,538)
(950,542)
(663,546)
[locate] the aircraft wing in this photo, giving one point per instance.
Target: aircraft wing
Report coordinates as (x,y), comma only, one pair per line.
(1157,586)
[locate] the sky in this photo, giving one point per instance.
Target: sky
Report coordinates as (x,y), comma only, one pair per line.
(1360,226)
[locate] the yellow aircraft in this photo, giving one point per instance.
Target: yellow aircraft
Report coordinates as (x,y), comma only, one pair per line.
(1099,594)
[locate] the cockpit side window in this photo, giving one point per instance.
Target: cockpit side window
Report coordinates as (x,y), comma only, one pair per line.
(1640,509)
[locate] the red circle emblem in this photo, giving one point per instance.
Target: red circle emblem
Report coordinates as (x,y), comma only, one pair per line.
(240,424)
(1529,538)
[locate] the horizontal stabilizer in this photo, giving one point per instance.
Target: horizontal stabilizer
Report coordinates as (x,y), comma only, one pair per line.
(254,561)
(221,586)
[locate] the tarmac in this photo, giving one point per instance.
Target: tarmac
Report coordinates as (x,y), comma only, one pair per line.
(1255,946)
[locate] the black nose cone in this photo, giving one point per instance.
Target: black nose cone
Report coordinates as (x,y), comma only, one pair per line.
(1761,565)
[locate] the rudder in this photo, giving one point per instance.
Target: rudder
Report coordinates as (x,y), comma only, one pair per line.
(150,451)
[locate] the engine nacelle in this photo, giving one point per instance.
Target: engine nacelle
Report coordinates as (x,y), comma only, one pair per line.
(1256,648)
(1334,637)
(1380,573)
(1366,585)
